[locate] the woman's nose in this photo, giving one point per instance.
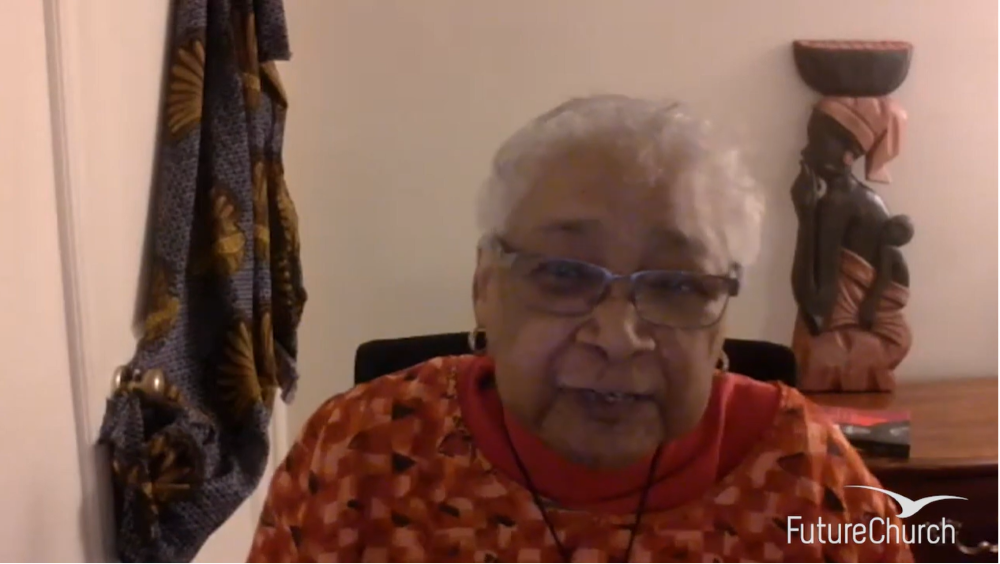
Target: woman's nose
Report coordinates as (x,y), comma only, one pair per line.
(616,328)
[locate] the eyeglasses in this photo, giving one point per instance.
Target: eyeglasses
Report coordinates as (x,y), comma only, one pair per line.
(672,298)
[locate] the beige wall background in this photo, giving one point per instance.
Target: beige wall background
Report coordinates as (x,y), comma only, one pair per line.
(398,105)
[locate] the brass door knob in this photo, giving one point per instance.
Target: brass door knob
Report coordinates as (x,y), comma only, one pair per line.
(122,378)
(151,382)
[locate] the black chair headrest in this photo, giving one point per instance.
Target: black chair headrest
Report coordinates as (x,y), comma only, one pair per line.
(760,360)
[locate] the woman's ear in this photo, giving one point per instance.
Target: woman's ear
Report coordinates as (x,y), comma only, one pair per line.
(481,281)
(719,339)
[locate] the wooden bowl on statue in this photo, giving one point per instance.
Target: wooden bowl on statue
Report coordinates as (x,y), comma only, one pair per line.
(853,68)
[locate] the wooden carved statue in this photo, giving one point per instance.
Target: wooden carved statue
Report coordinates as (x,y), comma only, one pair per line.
(849,275)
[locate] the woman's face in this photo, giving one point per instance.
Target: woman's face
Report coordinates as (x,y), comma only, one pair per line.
(830,149)
(554,371)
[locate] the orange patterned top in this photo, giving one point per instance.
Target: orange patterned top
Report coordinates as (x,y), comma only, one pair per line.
(390,471)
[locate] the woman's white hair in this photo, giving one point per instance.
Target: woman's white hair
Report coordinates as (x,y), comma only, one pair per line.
(670,147)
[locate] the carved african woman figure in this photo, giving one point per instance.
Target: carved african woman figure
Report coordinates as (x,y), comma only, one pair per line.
(849,277)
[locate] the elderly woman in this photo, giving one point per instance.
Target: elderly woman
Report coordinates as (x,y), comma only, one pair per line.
(600,422)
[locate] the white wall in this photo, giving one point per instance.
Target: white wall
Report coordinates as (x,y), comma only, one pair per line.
(398,105)
(78,134)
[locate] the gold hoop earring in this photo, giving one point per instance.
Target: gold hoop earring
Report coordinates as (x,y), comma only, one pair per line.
(723,364)
(474,340)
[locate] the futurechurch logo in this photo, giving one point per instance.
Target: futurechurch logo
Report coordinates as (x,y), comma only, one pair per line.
(878,530)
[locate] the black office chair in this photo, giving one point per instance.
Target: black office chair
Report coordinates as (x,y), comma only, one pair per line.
(759,360)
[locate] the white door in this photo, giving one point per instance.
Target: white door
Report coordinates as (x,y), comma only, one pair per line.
(79,109)
(42,486)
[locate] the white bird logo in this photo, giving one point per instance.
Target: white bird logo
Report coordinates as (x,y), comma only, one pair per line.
(909,507)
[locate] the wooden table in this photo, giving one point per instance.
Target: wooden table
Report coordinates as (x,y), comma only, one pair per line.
(953,451)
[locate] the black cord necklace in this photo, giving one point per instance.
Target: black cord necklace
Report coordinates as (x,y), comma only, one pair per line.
(639,511)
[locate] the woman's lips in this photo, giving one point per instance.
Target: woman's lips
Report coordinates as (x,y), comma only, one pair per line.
(608,397)
(607,406)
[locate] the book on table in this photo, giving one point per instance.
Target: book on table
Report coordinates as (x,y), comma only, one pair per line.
(877,433)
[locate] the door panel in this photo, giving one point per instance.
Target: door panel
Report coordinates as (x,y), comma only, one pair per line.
(41,486)
(77,156)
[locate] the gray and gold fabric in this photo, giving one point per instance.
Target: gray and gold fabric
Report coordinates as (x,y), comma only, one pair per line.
(187,425)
